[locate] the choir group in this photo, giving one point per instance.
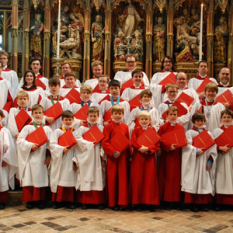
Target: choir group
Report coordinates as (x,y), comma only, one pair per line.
(116,143)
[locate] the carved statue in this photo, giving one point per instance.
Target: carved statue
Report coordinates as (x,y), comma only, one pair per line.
(129,20)
(159,40)
(221,33)
(65,19)
(185,41)
(97,38)
(137,45)
(119,52)
(36,37)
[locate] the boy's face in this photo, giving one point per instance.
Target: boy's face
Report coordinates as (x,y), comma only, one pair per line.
(114,91)
(146,98)
(85,95)
(103,83)
(54,89)
(4,60)
(226,119)
(70,81)
(22,101)
(117,116)
(137,79)
(93,117)
(35,66)
(38,114)
(199,123)
(172,116)
(144,120)
(210,94)
(171,93)
(97,70)
(67,121)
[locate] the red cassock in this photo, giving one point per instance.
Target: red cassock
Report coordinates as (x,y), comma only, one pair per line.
(4,196)
(169,167)
(117,169)
(143,173)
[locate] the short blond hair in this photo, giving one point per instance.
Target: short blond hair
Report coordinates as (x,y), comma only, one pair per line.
(93,109)
(171,85)
(212,86)
(3,52)
(143,114)
(105,76)
(67,64)
(173,109)
(22,94)
(37,106)
(85,87)
(117,108)
(146,92)
(96,63)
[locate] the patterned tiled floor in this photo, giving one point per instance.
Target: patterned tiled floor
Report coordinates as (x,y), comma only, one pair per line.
(19,219)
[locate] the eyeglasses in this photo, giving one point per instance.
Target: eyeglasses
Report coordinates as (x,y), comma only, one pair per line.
(102,81)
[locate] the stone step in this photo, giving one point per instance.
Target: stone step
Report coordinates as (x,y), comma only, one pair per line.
(15,198)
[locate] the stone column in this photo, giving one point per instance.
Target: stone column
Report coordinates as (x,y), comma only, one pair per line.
(26,25)
(170,31)
(14,35)
(47,38)
(210,38)
(149,37)
(230,43)
(108,39)
(87,34)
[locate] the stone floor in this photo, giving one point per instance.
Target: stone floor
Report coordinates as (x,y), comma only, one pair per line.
(19,219)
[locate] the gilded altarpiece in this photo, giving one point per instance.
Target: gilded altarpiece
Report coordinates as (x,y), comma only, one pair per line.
(108,30)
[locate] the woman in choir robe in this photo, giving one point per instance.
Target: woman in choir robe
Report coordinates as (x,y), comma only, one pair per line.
(29,85)
(33,163)
(8,163)
(169,173)
(63,174)
(224,172)
(143,184)
(198,168)
(91,193)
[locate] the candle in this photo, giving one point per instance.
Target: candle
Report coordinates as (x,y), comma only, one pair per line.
(58,27)
(201,33)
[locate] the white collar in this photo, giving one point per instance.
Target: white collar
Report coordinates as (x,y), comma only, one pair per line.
(173,124)
(37,74)
(224,85)
(4,67)
(37,122)
(211,101)
(203,76)
(182,89)
(226,126)
(137,87)
(145,105)
(117,122)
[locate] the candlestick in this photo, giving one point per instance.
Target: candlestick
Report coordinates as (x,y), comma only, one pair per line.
(58,37)
(201,33)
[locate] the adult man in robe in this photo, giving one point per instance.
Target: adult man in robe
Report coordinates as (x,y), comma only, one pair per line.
(202,74)
(124,76)
(66,68)
(70,82)
(7,73)
(224,80)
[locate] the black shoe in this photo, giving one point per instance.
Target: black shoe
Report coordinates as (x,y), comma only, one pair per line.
(71,205)
(218,208)
(168,206)
(139,208)
(41,205)
(57,205)
(84,207)
(205,208)
(122,208)
(30,205)
(152,208)
(2,205)
(101,207)
(194,209)
(116,208)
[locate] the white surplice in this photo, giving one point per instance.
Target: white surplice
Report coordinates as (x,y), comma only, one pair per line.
(195,83)
(5,87)
(194,176)
(97,97)
(92,82)
(12,77)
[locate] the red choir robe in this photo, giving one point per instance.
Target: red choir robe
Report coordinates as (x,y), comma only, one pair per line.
(143,172)
(117,169)
(97,90)
(169,167)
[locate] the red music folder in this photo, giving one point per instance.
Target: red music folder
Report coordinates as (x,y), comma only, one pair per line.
(119,142)
(181,108)
(171,78)
(225,97)
(22,119)
(184,98)
(81,114)
(201,88)
(38,136)
(177,137)
(203,140)
(135,102)
(39,83)
(94,135)
(148,138)
(73,96)
(54,111)
(67,139)
(127,84)
(107,115)
(225,138)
